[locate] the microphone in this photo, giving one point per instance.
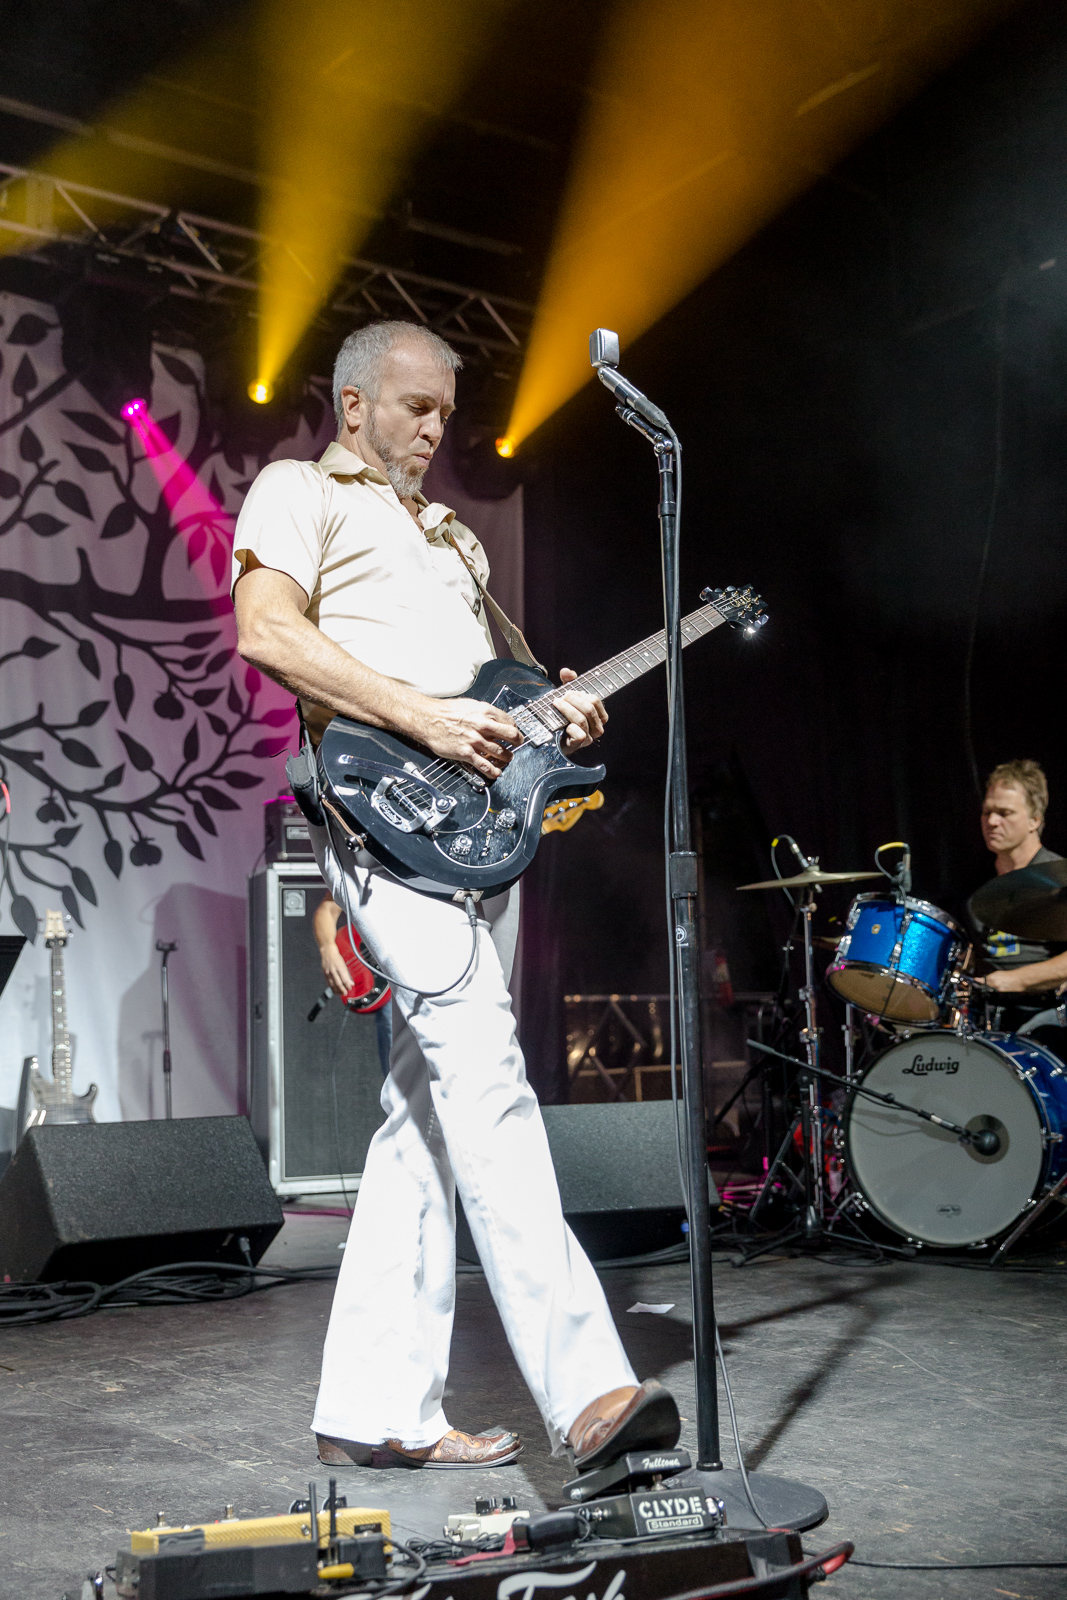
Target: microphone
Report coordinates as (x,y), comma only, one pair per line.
(798,852)
(604,355)
(319,1003)
(986,1142)
(905,885)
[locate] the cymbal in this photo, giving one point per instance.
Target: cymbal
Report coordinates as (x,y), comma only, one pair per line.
(813,875)
(824,942)
(1030,902)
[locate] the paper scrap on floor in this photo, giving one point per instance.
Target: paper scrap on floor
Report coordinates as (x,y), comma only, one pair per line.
(657,1310)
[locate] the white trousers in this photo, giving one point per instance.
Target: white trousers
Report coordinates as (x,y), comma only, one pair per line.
(460,1115)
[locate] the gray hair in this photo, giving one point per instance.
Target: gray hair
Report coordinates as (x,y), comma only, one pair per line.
(359,360)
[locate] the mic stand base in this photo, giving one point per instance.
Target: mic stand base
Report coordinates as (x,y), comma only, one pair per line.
(783,1502)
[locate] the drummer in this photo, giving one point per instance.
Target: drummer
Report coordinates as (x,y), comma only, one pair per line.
(1013,816)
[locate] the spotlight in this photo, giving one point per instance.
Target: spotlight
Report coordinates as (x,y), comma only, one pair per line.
(262,393)
(134,409)
(505,447)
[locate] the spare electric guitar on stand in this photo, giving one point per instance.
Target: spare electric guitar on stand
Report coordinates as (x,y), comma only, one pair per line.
(53,1100)
(440,827)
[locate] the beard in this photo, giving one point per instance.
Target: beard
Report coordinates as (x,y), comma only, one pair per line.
(405,480)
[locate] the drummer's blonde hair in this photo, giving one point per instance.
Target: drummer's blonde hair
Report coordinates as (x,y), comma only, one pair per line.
(1030,778)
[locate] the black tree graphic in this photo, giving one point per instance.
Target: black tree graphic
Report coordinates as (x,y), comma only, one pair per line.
(123,641)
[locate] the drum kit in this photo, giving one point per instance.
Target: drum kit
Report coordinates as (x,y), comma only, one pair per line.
(949,1132)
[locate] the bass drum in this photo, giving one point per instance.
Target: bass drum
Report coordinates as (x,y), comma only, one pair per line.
(916,1177)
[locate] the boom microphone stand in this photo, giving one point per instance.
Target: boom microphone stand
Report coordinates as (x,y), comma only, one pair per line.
(781,1502)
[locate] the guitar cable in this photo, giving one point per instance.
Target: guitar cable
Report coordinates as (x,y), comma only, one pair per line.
(396,983)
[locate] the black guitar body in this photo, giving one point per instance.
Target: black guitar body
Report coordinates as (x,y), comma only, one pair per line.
(434,824)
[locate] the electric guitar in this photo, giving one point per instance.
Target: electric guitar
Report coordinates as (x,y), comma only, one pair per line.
(440,827)
(53,1100)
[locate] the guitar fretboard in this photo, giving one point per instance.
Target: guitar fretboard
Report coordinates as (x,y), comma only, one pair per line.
(628,664)
(61,1073)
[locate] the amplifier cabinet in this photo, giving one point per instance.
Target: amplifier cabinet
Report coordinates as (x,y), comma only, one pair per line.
(313,1087)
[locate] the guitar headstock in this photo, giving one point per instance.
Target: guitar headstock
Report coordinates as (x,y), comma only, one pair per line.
(55,929)
(741,608)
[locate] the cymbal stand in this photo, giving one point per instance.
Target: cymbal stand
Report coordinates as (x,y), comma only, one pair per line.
(810,1108)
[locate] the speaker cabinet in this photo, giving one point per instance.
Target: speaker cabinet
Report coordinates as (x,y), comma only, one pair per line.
(314,1087)
(617,1169)
(99,1201)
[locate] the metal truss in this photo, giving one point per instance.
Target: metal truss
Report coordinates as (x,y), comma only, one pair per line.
(220,263)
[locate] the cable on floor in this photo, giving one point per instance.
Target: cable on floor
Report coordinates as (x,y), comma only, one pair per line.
(176,1283)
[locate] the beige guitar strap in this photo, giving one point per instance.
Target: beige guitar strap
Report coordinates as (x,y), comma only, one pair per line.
(513,635)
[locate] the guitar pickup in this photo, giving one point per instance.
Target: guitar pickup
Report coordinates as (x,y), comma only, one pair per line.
(421,811)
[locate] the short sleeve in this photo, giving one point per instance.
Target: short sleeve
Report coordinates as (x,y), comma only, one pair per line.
(281,523)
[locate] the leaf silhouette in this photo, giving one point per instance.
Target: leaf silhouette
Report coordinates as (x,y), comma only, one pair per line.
(168,705)
(90,423)
(188,840)
(241,780)
(120,519)
(217,723)
(72,495)
(170,427)
(36,648)
(217,800)
(29,329)
(79,753)
(65,836)
(278,718)
(92,460)
(113,856)
(84,884)
(88,657)
(25,382)
(191,746)
(220,560)
(196,641)
(24,917)
(269,747)
(206,697)
(30,447)
(197,544)
(253,681)
(114,777)
(204,818)
(218,661)
(233,458)
(9,486)
(45,525)
(137,753)
(233,699)
(92,713)
(70,900)
(179,371)
(123,687)
(191,663)
(215,489)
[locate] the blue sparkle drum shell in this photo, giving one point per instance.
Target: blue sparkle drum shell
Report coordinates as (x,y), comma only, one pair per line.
(896,958)
(917,1178)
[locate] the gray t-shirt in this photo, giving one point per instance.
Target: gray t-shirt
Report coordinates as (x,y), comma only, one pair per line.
(998,952)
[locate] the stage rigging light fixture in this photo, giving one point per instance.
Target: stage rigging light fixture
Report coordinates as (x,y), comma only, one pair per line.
(259,391)
(505,447)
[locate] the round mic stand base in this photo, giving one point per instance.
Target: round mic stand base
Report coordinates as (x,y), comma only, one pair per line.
(782,1503)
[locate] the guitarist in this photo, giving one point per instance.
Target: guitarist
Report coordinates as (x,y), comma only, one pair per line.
(349,591)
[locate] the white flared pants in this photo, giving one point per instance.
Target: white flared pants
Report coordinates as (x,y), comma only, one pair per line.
(460,1115)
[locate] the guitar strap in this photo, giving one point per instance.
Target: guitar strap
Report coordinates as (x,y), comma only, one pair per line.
(513,636)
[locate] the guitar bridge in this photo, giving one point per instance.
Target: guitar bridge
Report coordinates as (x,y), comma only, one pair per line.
(420,812)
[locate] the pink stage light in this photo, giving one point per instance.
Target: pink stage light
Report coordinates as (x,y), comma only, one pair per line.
(134,408)
(196,513)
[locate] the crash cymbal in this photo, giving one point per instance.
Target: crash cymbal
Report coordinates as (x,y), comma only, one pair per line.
(1030,902)
(813,875)
(826,943)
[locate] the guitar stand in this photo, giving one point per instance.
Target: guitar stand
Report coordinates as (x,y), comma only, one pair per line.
(165,950)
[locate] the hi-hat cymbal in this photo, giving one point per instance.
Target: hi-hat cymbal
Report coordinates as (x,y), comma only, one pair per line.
(1030,902)
(812,875)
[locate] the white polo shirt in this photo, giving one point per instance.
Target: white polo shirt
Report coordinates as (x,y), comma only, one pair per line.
(398,599)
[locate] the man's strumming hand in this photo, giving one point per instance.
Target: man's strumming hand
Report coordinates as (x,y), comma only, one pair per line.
(469,731)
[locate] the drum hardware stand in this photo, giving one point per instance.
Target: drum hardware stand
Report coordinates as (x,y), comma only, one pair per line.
(165,950)
(796,1504)
(1028,1221)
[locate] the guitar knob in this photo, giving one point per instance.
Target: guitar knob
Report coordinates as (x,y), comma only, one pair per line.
(505,818)
(461,846)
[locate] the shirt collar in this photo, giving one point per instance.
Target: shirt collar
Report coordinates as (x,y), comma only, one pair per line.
(337,462)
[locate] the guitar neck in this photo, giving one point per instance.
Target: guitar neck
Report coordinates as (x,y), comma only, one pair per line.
(61,1073)
(630,664)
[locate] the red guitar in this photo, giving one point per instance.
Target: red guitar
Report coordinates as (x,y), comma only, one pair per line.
(369,992)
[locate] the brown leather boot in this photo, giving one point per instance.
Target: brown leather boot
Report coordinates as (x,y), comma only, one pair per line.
(624,1419)
(496,1447)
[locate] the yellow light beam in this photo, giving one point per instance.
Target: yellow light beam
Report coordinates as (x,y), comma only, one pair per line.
(704,121)
(346,96)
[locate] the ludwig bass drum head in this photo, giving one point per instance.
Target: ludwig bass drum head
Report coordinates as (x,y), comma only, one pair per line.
(917,1177)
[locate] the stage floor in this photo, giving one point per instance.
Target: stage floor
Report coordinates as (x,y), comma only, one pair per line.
(923,1401)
